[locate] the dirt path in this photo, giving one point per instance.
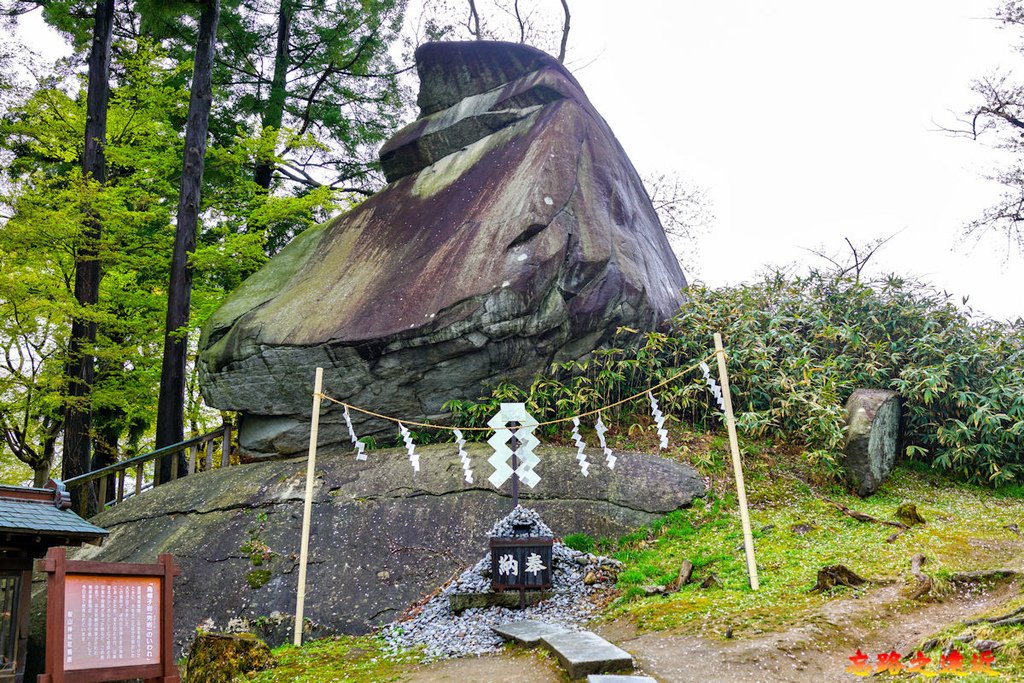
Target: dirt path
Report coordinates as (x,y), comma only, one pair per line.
(811,652)
(513,667)
(815,651)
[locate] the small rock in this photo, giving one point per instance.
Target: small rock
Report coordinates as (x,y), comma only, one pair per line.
(384,575)
(590,579)
(220,657)
(583,560)
(802,529)
(987,645)
(654,590)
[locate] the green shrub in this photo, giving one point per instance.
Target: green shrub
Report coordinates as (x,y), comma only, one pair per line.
(797,347)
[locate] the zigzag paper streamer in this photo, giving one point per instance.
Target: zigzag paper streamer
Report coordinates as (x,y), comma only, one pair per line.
(414,457)
(356,443)
(601,429)
(659,420)
(715,389)
(581,456)
(467,467)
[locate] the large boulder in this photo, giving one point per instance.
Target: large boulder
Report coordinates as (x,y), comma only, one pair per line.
(513,233)
(873,435)
(382,535)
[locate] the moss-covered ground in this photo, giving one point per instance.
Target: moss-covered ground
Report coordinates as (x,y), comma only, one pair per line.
(797,531)
(344,659)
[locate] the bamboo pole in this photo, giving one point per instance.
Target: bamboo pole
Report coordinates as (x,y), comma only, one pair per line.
(737,465)
(307,509)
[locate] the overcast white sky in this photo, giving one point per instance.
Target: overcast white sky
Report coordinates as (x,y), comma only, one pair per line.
(807,122)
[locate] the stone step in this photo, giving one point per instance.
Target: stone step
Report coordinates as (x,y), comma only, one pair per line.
(612,678)
(527,631)
(585,653)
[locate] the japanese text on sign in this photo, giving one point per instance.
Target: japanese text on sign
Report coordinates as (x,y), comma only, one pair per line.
(111,621)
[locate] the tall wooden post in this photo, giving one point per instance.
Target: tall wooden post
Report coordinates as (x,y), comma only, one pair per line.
(737,465)
(307,509)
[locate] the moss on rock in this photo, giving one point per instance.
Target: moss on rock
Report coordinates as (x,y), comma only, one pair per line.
(220,657)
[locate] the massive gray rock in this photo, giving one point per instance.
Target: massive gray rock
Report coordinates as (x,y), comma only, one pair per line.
(874,432)
(514,233)
(382,536)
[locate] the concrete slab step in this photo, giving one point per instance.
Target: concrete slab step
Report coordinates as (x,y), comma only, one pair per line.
(613,678)
(527,631)
(584,653)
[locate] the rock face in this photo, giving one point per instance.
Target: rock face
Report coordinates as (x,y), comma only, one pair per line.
(382,536)
(513,233)
(874,419)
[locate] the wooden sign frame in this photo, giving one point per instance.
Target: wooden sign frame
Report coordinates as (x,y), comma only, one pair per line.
(57,567)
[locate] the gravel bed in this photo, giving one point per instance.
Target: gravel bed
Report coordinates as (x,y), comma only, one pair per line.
(444,634)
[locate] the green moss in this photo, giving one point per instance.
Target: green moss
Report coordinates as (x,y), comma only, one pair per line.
(965,531)
(343,659)
(257,578)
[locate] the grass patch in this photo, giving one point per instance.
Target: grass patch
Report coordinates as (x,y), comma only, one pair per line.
(341,659)
(796,532)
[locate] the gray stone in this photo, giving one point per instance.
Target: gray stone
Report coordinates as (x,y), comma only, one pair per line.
(585,653)
(514,233)
(460,602)
(614,678)
(874,432)
(527,631)
(382,535)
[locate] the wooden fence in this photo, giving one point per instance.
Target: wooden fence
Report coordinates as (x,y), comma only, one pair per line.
(110,480)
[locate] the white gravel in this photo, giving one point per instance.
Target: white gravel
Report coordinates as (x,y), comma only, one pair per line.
(444,634)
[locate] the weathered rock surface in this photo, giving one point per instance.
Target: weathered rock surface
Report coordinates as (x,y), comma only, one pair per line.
(514,233)
(382,536)
(873,419)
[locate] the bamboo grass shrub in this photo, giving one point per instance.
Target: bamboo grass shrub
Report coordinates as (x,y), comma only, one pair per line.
(798,345)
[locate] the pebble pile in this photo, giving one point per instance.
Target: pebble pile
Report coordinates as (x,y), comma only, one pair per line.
(576,578)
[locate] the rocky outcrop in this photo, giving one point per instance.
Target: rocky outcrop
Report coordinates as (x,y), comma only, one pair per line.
(382,536)
(873,423)
(514,233)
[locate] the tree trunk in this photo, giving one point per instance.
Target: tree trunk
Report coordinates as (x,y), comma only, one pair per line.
(274,113)
(81,363)
(171,405)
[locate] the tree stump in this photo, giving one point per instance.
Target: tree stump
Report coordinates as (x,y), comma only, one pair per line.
(873,420)
(220,657)
(836,575)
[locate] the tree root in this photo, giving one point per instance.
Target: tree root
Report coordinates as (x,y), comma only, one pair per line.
(1000,620)
(924,582)
(861,517)
(983,575)
(837,575)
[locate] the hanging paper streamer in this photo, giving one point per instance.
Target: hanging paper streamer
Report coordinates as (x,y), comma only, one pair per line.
(513,412)
(467,467)
(715,389)
(581,456)
(601,429)
(414,457)
(659,420)
(356,443)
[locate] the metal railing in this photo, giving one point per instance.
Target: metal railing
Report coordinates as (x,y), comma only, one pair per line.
(144,480)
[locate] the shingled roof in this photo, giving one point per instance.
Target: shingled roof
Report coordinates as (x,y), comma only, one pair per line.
(44,513)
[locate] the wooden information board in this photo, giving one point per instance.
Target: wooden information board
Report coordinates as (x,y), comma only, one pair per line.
(108,621)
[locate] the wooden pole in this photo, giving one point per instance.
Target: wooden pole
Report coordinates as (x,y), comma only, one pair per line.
(737,465)
(307,510)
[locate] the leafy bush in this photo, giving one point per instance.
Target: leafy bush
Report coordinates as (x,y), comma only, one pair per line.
(797,347)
